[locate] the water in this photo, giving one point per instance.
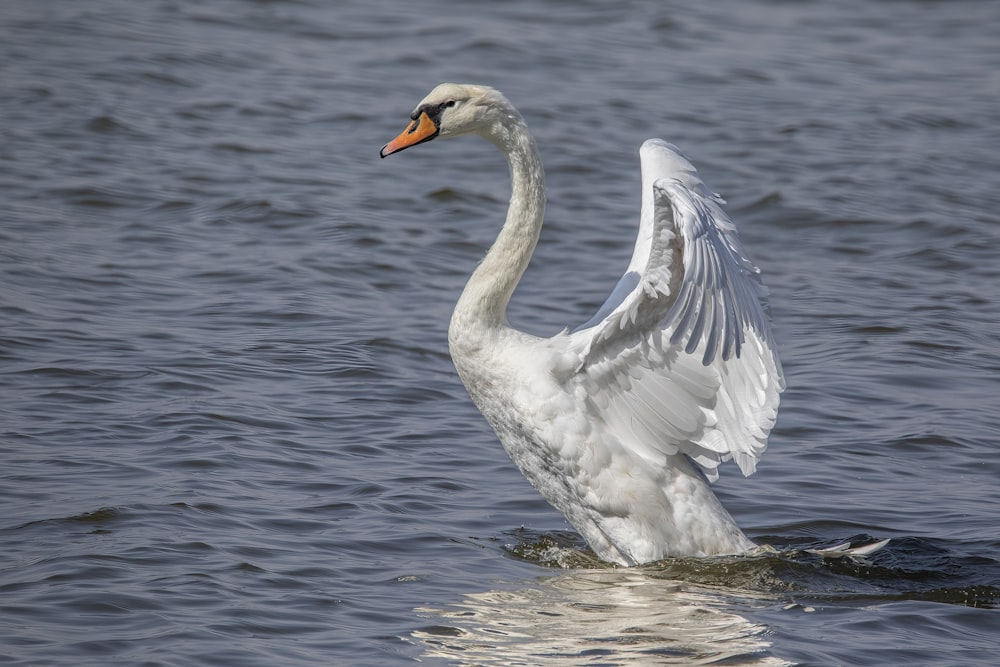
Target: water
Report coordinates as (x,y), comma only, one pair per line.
(231,431)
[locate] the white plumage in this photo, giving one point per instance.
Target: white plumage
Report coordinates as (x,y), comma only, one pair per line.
(677,366)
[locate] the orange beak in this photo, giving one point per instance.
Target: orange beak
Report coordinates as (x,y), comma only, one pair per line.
(421,130)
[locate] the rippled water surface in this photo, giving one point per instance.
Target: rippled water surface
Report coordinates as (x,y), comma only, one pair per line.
(231,432)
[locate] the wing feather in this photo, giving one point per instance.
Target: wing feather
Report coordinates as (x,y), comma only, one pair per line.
(681,356)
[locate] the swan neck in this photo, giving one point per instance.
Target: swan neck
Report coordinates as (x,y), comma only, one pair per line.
(484,301)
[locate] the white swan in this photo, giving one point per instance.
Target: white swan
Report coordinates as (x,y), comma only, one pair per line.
(621,422)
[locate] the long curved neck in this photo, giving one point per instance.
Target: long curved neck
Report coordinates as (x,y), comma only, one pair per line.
(483,304)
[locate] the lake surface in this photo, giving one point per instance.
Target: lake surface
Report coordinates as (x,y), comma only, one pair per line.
(231,431)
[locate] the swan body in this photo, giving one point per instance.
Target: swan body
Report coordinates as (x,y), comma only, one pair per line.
(621,422)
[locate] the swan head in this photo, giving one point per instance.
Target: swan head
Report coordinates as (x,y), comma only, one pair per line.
(451,110)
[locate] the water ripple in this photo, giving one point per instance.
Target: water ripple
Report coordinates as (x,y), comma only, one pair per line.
(231,432)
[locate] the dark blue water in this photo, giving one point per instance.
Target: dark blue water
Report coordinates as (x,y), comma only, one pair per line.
(231,433)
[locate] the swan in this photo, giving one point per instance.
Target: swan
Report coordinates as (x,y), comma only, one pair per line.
(622,422)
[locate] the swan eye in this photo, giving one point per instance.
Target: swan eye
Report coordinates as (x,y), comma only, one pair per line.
(448,104)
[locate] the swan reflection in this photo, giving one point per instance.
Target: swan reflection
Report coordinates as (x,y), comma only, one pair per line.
(606,617)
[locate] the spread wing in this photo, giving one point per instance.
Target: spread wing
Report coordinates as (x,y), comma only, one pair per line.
(680,358)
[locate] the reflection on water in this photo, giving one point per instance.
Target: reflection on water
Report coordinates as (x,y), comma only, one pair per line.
(606,616)
(687,611)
